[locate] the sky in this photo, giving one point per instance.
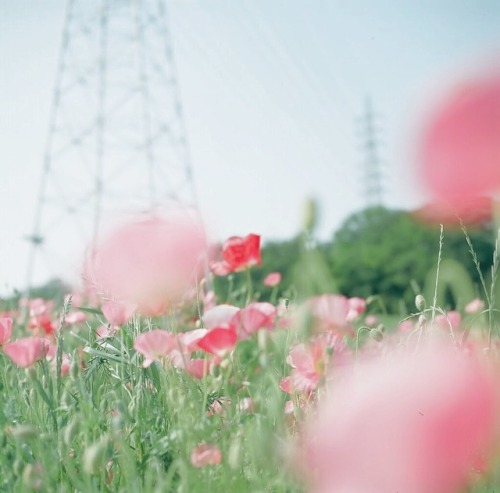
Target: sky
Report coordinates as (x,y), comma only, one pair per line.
(271,91)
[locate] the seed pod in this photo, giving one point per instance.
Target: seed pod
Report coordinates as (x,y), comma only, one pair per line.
(234,454)
(71,430)
(376,334)
(310,215)
(95,455)
(420,302)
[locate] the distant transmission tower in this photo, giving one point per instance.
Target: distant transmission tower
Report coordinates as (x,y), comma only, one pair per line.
(116,139)
(372,179)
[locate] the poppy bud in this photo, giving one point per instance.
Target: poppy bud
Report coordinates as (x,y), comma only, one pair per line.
(420,302)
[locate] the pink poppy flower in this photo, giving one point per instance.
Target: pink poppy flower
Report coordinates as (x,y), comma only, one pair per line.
(151,262)
(209,300)
(37,306)
(118,313)
(206,454)
(187,342)
(410,422)
(450,321)
(5,330)
(155,345)
(220,268)
(254,317)
(460,149)
(199,367)
(371,321)
(308,365)
(272,279)
(219,316)
(75,317)
(238,254)
(330,311)
(218,341)
(357,306)
(105,331)
(286,385)
(26,351)
(42,324)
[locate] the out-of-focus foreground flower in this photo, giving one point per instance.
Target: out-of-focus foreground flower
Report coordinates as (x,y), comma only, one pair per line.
(411,422)
(460,149)
(150,263)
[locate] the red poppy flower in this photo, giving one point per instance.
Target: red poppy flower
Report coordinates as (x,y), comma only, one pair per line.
(238,254)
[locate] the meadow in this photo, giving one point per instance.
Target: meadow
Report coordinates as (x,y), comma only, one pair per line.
(146,380)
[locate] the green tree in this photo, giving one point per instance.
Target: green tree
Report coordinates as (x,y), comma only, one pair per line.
(386,252)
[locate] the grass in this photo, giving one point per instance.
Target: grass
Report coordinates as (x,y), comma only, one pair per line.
(111,425)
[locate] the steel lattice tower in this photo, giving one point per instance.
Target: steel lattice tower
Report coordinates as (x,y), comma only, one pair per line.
(116,139)
(372,179)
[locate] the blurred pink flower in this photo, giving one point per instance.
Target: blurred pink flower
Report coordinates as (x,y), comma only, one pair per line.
(155,345)
(5,330)
(406,326)
(118,313)
(206,454)
(357,306)
(187,342)
(460,149)
(330,312)
(209,300)
(472,210)
(410,422)
(75,317)
(450,321)
(272,279)
(37,306)
(151,262)
(105,331)
(474,306)
(371,320)
(219,316)
(254,317)
(26,351)
(199,367)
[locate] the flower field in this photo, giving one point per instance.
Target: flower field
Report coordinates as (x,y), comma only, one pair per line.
(147,379)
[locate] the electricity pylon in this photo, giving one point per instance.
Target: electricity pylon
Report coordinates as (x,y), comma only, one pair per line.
(116,139)
(372,176)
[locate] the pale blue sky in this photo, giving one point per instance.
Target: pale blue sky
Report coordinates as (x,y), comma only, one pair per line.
(270,90)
